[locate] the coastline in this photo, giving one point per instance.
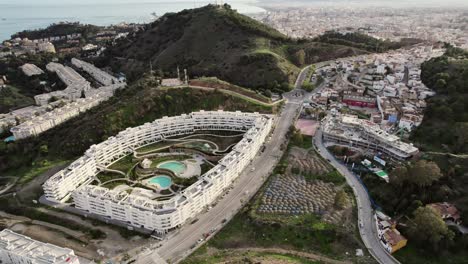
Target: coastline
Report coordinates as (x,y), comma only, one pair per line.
(19,17)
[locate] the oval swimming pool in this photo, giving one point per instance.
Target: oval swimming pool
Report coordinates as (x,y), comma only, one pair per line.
(175,166)
(163,181)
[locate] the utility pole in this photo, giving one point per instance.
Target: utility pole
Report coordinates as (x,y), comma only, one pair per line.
(151,68)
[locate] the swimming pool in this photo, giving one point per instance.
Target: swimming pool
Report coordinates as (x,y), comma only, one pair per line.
(175,166)
(163,181)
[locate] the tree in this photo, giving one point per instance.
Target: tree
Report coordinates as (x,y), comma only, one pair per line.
(423,173)
(300,57)
(428,226)
(399,175)
(44,149)
(341,199)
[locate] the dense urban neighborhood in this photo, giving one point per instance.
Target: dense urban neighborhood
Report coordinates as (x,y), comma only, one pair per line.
(296,135)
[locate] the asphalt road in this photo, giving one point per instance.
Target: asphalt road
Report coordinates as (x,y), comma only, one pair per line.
(367,226)
(181,244)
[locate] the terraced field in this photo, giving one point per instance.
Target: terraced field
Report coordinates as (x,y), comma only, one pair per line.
(307,186)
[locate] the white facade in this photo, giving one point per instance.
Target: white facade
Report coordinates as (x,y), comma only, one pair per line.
(349,130)
(76,84)
(19,249)
(139,211)
(98,74)
(31,70)
(48,120)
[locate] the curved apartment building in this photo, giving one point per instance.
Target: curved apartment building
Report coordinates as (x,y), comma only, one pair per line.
(352,131)
(139,211)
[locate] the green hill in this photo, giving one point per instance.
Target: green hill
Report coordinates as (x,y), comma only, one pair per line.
(218,41)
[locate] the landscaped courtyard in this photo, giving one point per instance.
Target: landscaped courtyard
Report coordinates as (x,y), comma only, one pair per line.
(160,170)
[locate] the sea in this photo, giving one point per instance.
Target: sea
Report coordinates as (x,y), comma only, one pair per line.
(19,15)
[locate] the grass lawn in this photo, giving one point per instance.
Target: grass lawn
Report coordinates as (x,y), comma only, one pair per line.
(123,165)
(245,257)
(154,146)
(228,86)
(104,176)
(304,233)
(114,184)
(29,173)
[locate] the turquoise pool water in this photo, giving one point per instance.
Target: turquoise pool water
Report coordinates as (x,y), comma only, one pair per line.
(176,166)
(163,181)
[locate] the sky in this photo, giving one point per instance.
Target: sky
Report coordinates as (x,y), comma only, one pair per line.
(373,2)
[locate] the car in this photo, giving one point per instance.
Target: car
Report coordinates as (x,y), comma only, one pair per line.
(223,221)
(194,221)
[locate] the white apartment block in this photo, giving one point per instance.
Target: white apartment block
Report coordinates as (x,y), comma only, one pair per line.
(351,131)
(139,211)
(50,114)
(18,249)
(98,74)
(76,84)
(31,70)
(48,120)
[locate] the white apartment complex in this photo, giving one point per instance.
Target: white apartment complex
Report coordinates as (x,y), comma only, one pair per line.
(18,249)
(76,84)
(37,119)
(352,131)
(59,115)
(139,211)
(101,76)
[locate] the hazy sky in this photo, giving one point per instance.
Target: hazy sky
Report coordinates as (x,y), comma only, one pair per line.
(373,2)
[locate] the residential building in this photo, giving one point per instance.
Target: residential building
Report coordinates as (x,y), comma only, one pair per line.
(349,130)
(31,70)
(447,211)
(101,76)
(19,249)
(389,236)
(140,211)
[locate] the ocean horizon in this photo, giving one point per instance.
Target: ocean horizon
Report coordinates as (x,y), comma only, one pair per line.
(16,17)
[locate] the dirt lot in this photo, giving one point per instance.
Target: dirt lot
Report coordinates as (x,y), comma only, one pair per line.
(307,126)
(48,235)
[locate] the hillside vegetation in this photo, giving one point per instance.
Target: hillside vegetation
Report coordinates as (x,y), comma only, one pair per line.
(445,124)
(218,41)
(60,29)
(364,42)
(142,102)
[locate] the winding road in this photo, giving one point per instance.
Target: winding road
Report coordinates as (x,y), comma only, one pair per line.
(367,225)
(179,245)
